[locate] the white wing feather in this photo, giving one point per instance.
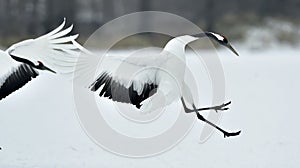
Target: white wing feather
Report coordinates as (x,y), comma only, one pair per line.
(126,72)
(136,69)
(7,65)
(55,50)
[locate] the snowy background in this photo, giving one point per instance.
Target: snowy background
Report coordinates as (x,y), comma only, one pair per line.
(39,126)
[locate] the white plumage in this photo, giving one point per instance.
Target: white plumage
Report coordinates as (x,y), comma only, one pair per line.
(53,52)
(148,81)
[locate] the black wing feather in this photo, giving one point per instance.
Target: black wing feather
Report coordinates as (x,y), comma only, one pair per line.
(17,79)
(112,89)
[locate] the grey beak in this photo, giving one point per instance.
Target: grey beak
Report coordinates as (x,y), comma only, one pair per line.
(41,66)
(48,69)
(232,49)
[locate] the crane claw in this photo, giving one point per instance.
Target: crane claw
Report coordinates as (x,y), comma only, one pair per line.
(228,134)
(222,107)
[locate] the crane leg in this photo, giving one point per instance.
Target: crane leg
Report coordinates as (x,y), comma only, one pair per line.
(221,107)
(226,134)
(200,117)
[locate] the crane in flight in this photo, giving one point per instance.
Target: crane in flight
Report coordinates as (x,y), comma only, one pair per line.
(151,81)
(53,52)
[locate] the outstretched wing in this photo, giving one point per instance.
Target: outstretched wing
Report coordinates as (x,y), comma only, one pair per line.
(16,78)
(116,90)
(130,79)
(127,79)
(54,50)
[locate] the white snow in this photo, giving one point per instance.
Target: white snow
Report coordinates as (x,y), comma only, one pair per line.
(39,127)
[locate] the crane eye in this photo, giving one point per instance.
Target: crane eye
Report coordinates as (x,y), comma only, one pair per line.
(224,39)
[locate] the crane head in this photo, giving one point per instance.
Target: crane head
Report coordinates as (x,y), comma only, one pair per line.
(41,66)
(221,40)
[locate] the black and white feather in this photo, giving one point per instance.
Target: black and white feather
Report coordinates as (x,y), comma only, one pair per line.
(117,91)
(126,79)
(149,80)
(18,77)
(20,63)
(132,79)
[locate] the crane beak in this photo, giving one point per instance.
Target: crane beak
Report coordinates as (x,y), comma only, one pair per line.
(48,69)
(232,49)
(41,66)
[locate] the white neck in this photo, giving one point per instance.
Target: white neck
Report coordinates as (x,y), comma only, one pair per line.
(177,45)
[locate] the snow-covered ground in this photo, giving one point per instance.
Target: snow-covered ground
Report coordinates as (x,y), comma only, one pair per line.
(39,126)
